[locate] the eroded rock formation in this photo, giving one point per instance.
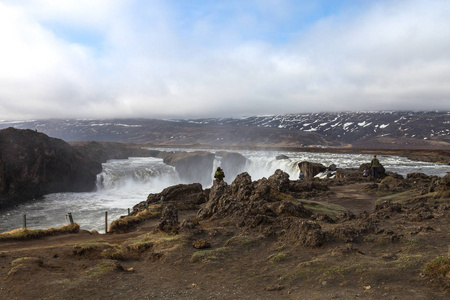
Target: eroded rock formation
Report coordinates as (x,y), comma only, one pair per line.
(311,169)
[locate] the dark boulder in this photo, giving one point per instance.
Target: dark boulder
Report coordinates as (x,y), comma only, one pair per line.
(311,169)
(310,234)
(183,196)
(33,164)
(180,194)
(381,170)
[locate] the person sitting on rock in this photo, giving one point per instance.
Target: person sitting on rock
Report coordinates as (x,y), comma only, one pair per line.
(301,176)
(374,164)
(219,175)
(366,172)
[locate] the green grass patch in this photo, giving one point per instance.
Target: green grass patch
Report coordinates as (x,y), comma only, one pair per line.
(244,241)
(279,196)
(93,244)
(276,258)
(103,268)
(401,198)
(341,272)
(208,255)
(329,209)
(27,234)
(114,253)
(23,260)
(410,261)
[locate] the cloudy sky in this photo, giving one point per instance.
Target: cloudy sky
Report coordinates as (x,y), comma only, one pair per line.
(220,58)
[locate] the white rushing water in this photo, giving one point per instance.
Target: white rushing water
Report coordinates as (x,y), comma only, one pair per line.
(124,183)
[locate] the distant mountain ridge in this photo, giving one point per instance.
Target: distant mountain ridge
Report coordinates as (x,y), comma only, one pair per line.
(358,128)
(355,129)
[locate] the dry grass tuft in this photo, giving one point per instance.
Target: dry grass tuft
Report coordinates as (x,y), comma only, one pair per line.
(125,224)
(27,234)
(439,269)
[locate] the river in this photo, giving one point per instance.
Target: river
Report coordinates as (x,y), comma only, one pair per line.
(124,183)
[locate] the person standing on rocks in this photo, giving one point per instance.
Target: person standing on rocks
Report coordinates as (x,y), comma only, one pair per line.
(374,164)
(219,175)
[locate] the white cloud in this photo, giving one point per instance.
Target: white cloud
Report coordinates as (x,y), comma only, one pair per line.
(150,60)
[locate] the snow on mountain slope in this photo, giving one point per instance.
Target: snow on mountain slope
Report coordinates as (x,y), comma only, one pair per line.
(356,128)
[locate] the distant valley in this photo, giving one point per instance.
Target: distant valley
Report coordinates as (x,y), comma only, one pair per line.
(370,130)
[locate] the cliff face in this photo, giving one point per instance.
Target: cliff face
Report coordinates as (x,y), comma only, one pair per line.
(192,166)
(33,164)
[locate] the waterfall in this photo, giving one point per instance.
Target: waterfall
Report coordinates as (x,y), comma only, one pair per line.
(124,183)
(136,173)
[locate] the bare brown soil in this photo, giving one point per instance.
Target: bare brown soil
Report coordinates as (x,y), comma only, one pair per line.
(238,265)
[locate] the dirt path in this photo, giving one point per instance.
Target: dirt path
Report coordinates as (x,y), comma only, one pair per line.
(350,197)
(239,264)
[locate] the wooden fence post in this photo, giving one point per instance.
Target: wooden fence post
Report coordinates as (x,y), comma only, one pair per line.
(70,218)
(106,222)
(24,221)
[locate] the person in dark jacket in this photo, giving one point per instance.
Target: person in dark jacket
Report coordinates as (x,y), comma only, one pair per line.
(301,176)
(374,164)
(219,175)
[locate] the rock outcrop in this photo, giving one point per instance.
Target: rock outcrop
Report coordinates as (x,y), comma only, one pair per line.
(311,169)
(192,166)
(169,218)
(33,164)
(443,191)
(257,206)
(183,196)
(269,207)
